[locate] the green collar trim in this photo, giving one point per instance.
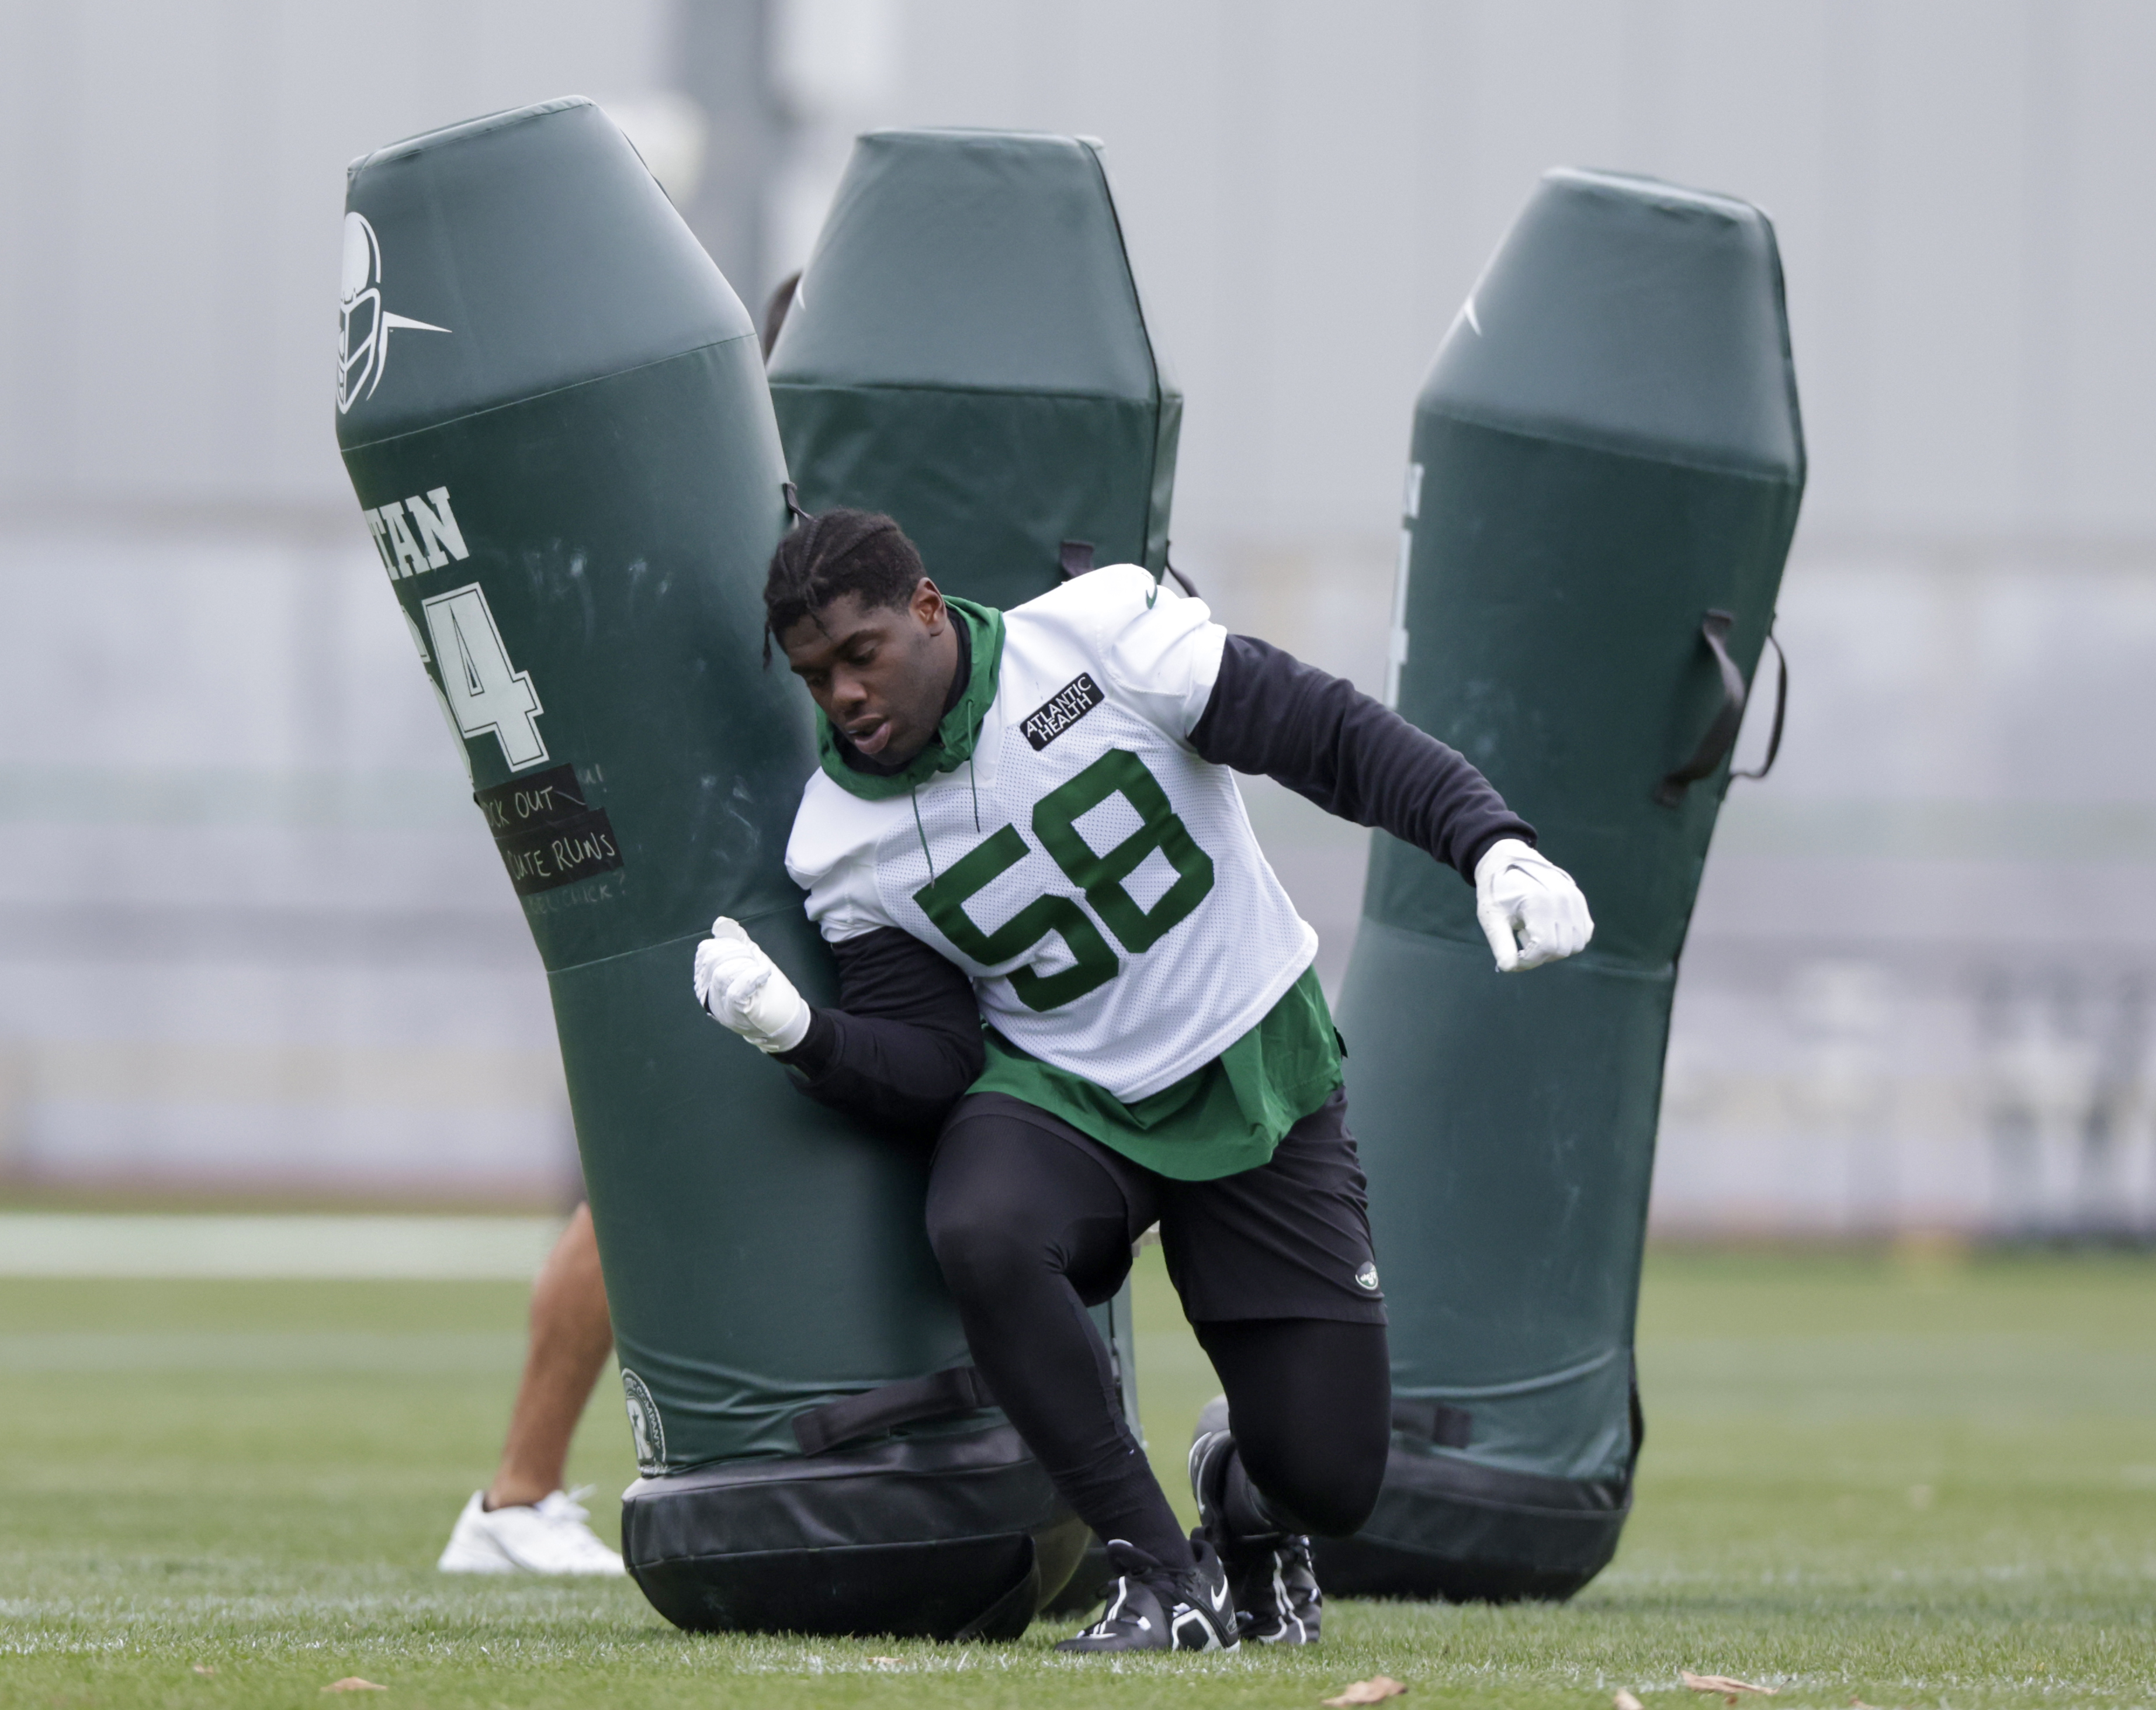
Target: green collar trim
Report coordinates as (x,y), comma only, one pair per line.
(959,730)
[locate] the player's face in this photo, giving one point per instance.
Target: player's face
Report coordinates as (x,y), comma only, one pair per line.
(880,673)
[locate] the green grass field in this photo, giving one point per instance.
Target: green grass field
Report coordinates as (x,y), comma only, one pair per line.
(1913,1482)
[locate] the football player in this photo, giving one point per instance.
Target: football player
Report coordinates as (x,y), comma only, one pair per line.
(1063,959)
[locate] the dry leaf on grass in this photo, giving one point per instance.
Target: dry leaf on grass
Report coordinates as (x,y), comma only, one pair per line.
(353,1683)
(1373,1690)
(1721,1683)
(1624,1701)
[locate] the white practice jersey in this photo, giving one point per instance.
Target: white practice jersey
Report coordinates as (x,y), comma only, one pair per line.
(1099,881)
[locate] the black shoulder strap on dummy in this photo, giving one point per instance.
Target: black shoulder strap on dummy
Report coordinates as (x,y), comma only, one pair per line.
(958,1390)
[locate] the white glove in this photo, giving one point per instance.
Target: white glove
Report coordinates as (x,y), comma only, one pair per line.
(744,990)
(1519,890)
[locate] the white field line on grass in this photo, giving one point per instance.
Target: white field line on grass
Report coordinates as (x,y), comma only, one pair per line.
(339,1249)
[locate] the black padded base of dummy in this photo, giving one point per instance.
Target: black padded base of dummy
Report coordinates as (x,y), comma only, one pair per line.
(1447,1529)
(938,1538)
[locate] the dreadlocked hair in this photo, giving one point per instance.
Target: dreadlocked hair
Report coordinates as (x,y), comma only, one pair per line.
(825,558)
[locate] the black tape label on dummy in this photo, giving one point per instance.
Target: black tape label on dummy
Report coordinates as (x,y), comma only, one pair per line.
(548,832)
(1061,710)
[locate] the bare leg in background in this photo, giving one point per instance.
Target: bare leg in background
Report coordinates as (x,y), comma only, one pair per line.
(571,1336)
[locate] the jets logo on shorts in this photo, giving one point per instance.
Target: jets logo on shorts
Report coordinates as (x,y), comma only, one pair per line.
(644,1429)
(1367,1277)
(363,325)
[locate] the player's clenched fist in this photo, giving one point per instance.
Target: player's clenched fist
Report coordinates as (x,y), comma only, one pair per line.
(744,990)
(1530,910)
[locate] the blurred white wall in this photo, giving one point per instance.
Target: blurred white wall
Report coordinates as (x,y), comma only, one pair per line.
(1911,991)
(248,937)
(1311,189)
(172,188)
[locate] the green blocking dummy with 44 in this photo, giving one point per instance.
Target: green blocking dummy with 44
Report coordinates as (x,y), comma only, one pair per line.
(553,411)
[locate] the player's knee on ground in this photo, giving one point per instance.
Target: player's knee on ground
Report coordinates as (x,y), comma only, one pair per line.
(1329,1489)
(1309,1401)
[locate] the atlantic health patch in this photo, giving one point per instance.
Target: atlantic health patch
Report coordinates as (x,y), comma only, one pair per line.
(1061,710)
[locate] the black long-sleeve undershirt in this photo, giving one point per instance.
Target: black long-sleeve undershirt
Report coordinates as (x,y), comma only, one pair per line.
(1323,738)
(904,1040)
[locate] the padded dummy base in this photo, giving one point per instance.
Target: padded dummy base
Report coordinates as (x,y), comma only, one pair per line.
(1448,1529)
(939,1538)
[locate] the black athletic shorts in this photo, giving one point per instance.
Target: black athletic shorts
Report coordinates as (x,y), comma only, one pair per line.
(1288,1239)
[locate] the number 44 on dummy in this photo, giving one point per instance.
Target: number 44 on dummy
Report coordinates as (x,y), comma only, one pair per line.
(481,692)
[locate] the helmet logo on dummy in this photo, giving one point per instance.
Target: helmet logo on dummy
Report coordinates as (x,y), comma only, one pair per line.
(363,325)
(644,1429)
(1367,1277)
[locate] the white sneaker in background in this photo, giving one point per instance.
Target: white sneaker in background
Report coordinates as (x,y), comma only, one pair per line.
(549,1537)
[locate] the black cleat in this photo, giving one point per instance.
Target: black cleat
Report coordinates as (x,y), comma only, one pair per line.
(1285,1605)
(1270,1577)
(1156,1608)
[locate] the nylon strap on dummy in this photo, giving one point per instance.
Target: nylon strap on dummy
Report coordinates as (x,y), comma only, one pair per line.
(960,1389)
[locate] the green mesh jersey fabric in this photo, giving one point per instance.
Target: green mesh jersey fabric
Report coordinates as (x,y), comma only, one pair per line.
(1217,1120)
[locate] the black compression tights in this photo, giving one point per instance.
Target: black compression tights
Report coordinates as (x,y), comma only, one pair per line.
(1029,1230)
